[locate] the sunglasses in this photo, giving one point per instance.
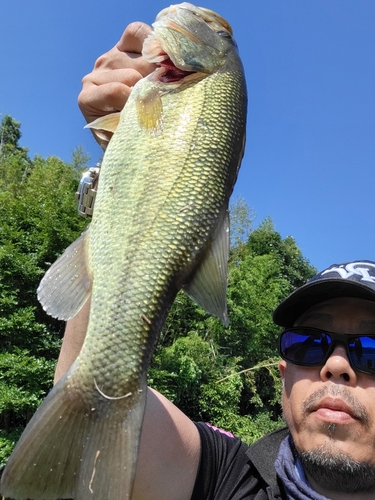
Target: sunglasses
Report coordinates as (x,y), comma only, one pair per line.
(312,347)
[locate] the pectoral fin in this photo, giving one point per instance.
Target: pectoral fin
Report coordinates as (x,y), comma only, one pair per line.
(108,123)
(150,110)
(208,286)
(66,285)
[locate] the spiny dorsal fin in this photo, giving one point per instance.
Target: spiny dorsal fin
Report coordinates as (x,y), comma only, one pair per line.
(208,286)
(66,285)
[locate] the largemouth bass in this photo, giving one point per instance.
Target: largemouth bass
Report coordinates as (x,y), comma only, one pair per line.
(160,224)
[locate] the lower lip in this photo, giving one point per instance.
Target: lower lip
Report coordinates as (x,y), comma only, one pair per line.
(334,416)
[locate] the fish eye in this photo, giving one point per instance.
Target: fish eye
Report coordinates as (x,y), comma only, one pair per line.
(224,34)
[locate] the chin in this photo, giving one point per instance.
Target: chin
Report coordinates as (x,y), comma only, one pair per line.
(332,439)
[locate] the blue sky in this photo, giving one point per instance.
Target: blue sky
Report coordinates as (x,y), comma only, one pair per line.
(310,69)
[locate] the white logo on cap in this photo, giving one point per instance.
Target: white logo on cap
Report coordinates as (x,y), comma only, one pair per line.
(354,268)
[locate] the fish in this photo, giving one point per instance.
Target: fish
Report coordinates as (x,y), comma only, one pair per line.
(160,225)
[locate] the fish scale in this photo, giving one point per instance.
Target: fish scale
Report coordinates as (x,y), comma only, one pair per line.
(160,224)
(159,212)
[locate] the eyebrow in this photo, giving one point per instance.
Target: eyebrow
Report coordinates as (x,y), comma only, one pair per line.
(318,316)
(369,323)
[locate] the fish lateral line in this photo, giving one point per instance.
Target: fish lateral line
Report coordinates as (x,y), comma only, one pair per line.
(111,398)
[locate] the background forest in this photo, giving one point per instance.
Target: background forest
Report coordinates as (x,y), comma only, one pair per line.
(225,376)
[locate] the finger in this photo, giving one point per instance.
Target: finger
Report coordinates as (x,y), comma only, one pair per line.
(133,37)
(127,76)
(114,59)
(96,101)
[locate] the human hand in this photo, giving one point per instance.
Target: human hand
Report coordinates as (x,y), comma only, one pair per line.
(106,89)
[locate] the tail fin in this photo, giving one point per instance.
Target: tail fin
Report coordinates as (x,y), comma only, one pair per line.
(74,448)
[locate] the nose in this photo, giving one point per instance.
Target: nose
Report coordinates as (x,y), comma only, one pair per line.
(337,368)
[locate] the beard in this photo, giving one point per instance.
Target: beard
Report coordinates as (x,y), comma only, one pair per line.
(328,467)
(338,472)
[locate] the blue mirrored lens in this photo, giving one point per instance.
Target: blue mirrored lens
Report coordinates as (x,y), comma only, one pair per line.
(307,349)
(362,354)
(312,348)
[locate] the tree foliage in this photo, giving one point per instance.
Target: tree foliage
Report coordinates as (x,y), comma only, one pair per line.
(226,376)
(10,132)
(38,220)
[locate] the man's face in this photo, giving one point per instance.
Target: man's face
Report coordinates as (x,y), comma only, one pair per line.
(332,407)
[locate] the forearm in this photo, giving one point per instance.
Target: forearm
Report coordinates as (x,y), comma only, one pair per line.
(74,336)
(169,452)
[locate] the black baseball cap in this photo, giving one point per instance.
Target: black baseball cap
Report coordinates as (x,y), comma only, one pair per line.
(350,279)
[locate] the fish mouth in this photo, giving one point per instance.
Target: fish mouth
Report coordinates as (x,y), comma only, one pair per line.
(162,49)
(155,51)
(171,73)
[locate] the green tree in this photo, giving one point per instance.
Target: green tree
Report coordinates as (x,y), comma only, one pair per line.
(14,161)
(241,220)
(38,221)
(10,132)
(80,159)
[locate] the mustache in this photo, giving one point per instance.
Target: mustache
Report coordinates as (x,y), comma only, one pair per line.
(358,410)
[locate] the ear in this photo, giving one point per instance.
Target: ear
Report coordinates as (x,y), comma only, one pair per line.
(282,368)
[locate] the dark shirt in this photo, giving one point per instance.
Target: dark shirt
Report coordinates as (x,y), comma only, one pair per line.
(231,470)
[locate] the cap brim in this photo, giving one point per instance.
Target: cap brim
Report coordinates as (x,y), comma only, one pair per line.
(312,293)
